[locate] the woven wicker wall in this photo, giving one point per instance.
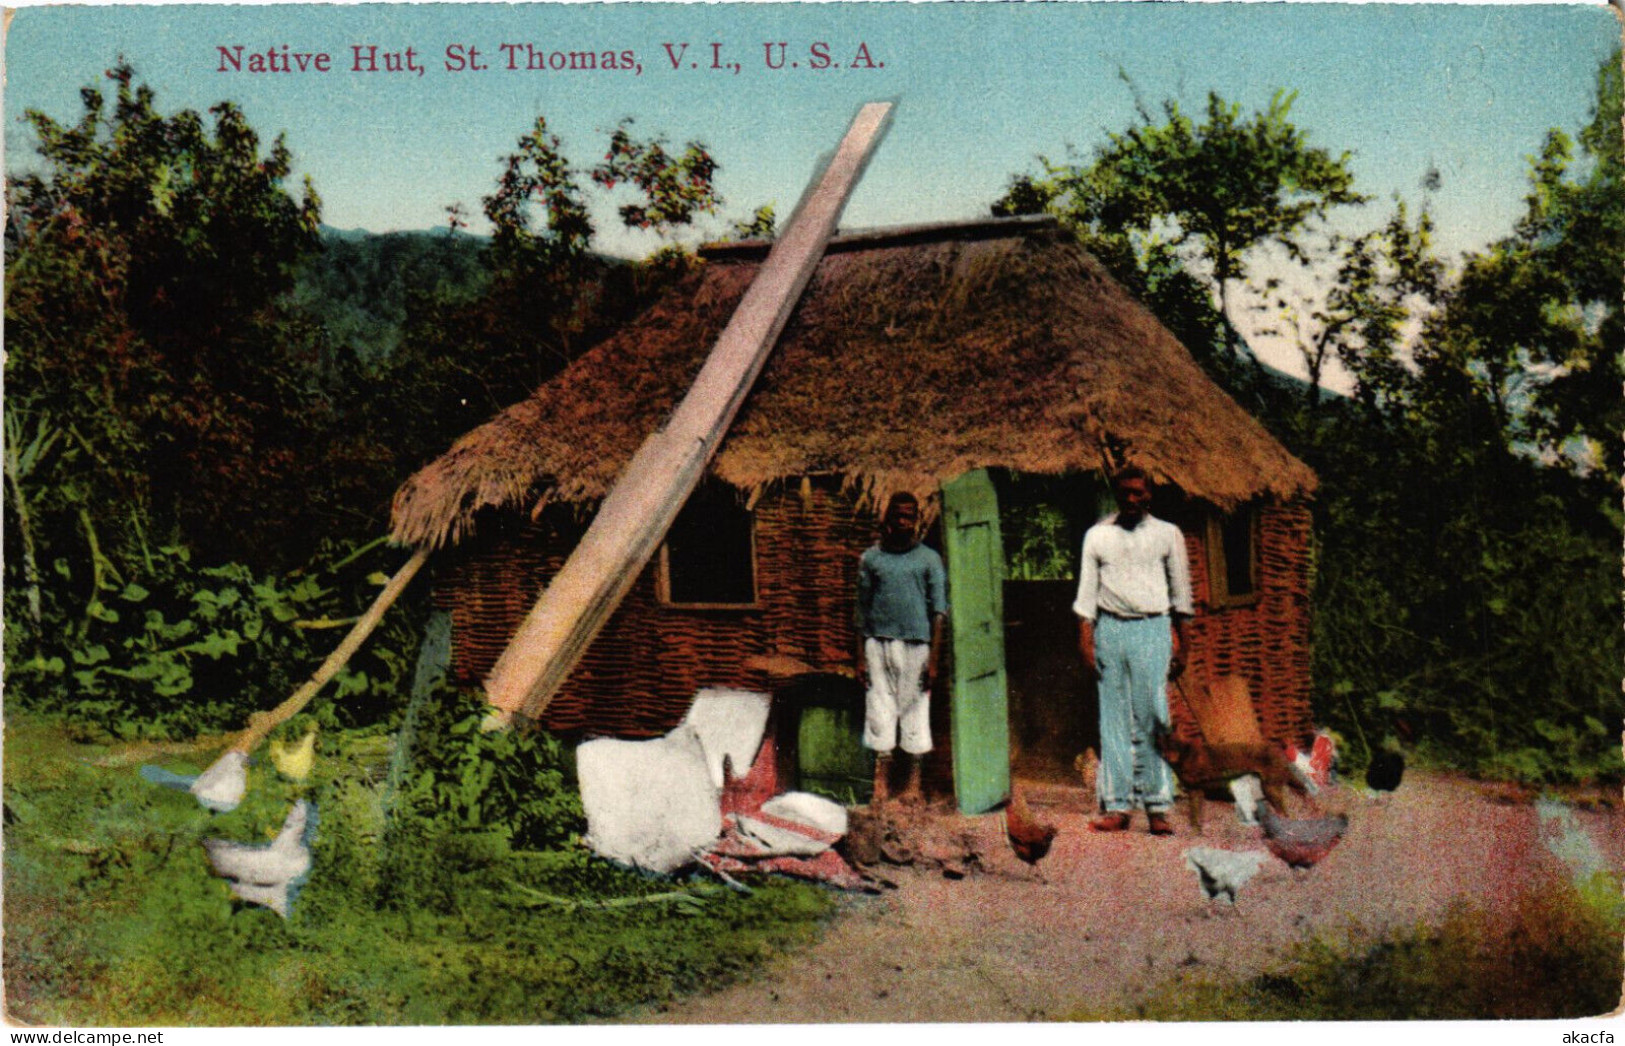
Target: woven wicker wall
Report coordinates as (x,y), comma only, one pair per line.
(1266,642)
(488,585)
(640,674)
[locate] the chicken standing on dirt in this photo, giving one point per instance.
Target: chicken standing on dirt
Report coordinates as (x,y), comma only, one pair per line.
(1301,842)
(1029,837)
(1222,873)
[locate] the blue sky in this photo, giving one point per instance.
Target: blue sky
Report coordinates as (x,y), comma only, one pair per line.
(982,89)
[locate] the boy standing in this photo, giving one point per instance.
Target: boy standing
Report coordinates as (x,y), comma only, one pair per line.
(902,604)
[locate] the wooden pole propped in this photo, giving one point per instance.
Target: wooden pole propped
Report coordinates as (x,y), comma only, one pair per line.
(640,508)
(260,724)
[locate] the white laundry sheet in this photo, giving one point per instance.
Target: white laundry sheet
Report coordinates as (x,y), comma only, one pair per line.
(814,811)
(649,803)
(653,804)
(731,724)
(771,840)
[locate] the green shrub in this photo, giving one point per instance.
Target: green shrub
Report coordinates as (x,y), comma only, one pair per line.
(518,783)
(187,649)
(1495,652)
(113,918)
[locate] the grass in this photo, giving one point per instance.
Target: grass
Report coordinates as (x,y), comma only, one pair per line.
(112,916)
(1552,953)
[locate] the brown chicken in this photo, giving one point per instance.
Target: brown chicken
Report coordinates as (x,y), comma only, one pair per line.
(1029,837)
(1301,842)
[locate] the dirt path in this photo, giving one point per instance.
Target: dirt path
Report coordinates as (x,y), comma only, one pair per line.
(1120,914)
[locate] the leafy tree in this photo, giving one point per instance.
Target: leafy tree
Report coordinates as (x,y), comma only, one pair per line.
(1535,325)
(1528,337)
(671,191)
(1465,599)
(145,264)
(546,294)
(537,172)
(673,188)
(1224,187)
(539,269)
(762,225)
(1470,530)
(1377,282)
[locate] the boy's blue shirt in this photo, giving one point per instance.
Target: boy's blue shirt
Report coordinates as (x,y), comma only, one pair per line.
(899,593)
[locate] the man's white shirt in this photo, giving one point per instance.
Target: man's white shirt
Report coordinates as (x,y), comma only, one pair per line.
(1133,573)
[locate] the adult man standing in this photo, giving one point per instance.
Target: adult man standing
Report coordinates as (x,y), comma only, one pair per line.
(902,603)
(1134,596)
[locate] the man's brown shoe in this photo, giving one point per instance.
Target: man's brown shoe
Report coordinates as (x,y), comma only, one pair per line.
(1158,824)
(1117,822)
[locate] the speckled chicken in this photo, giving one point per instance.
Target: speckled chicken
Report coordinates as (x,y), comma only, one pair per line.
(1029,837)
(1222,873)
(1301,842)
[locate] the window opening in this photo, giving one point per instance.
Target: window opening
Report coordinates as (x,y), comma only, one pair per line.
(1233,557)
(709,558)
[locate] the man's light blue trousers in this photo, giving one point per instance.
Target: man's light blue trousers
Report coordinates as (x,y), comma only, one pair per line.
(1133,657)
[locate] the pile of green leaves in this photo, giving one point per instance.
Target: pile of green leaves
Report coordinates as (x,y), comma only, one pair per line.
(460,792)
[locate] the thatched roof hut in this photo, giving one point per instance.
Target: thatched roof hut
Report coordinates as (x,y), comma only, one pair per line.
(914,356)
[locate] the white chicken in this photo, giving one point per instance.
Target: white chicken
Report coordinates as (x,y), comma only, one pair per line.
(269,875)
(222,786)
(1222,873)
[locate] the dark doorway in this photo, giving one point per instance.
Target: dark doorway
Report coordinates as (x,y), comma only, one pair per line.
(1053,711)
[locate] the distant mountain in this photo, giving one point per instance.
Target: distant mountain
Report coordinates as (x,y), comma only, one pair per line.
(330,233)
(361,285)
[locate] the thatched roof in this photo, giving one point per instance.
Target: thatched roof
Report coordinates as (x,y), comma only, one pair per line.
(913,357)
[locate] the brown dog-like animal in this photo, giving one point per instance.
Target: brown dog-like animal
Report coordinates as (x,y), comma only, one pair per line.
(1200,766)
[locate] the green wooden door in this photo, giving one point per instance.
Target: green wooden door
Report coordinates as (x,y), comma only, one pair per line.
(981,725)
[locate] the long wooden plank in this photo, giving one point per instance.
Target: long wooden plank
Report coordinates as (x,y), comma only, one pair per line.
(640,508)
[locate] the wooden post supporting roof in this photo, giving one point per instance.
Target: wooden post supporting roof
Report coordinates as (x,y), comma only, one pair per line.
(640,508)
